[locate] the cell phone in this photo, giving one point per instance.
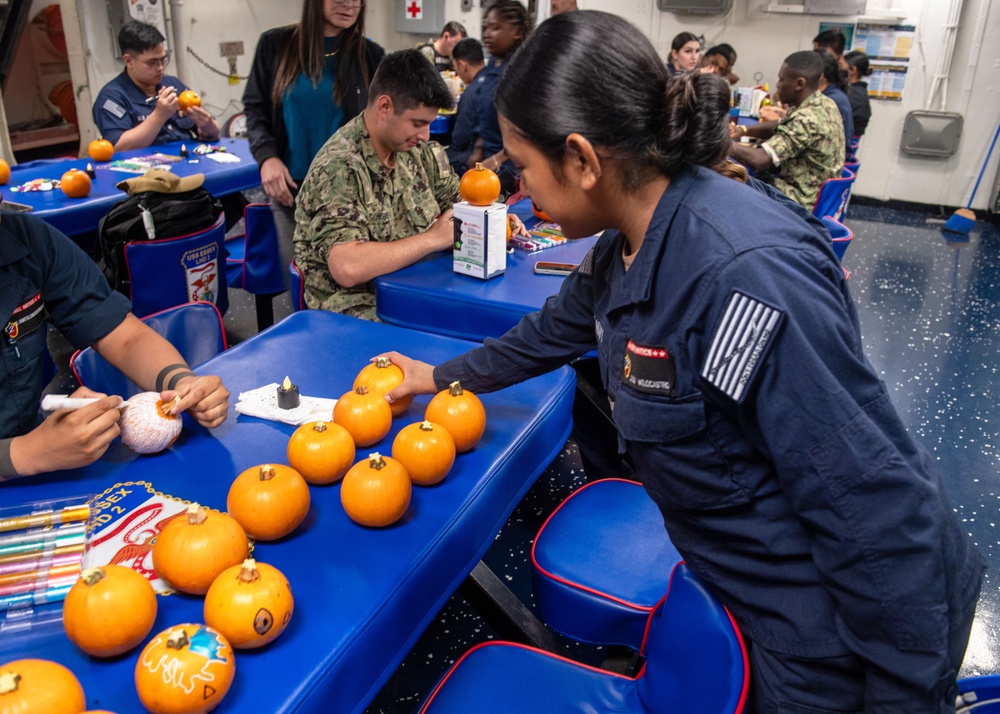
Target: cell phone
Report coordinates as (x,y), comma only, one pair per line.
(544,267)
(16,207)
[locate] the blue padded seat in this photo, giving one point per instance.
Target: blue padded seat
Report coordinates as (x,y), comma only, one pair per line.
(296,284)
(980,695)
(834,195)
(841,235)
(695,662)
(194,328)
(254,263)
(602,561)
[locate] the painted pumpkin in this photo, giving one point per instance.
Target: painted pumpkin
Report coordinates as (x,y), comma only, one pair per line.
(539,213)
(461,413)
(250,604)
(109,610)
(146,427)
(376,492)
(479,186)
(321,451)
(426,451)
(191,551)
(186,669)
(269,500)
(75,183)
(39,686)
(383,376)
(365,414)
(101,150)
(188,99)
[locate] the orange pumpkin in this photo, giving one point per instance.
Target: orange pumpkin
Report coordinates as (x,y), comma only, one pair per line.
(461,413)
(75,183)
(4,172)
(101,150)
(269,500)
(383,376)
(321,451)
(186,669)
(426,451)
(250,604)
(365,414)
(188,99)
(479,186)
(39,685)
(191,551)
(539,213)
(376,492)
(109,610)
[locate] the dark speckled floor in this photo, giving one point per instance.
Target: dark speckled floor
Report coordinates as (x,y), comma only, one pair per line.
(930,315)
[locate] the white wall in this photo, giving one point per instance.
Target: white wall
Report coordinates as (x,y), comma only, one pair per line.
(762,40)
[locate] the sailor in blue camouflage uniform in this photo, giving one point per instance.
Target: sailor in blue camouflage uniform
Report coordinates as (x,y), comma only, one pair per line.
(732,356)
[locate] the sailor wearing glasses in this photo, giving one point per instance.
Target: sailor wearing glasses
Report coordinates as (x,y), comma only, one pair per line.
(138,108)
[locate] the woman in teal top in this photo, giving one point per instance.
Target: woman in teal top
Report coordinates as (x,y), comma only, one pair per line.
(307,80)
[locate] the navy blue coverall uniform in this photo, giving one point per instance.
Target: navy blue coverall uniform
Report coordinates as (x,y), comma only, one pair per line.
(732,355)
(121,106)
(44,277)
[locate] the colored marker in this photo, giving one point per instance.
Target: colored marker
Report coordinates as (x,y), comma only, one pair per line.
(19,570)
(75,534)
(25,561)
(53,594)
(66,577)
(46,518)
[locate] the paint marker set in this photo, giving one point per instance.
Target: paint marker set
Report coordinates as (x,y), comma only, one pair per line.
(541,236)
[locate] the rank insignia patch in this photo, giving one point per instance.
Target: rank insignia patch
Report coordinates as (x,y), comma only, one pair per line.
(739,344)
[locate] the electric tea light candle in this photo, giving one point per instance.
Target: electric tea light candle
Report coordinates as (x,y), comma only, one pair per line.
(288,395)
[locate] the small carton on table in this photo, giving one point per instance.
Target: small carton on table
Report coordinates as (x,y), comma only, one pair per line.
(480,240)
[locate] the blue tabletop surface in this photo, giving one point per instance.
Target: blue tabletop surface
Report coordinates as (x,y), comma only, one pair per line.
(430,296)
(74,216)
(362,596)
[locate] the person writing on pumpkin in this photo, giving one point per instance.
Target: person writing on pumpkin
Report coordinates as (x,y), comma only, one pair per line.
(126,113)
(731,352)
(45,279)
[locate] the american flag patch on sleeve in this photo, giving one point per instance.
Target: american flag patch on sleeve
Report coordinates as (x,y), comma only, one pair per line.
(739,343)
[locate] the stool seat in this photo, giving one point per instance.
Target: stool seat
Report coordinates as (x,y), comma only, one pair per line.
(601,563)
(980,695)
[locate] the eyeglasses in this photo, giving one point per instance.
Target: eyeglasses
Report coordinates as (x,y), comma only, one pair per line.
(347,3)
(157,63)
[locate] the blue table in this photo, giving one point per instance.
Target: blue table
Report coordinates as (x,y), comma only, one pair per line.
(430,296)
(362,596)
(76,216)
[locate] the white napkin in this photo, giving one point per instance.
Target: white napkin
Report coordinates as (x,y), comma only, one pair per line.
(263,403)
(221,157)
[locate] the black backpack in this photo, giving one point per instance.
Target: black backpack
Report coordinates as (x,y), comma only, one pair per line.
(173,215)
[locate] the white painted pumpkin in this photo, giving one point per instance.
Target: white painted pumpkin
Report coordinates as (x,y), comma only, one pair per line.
(145,428)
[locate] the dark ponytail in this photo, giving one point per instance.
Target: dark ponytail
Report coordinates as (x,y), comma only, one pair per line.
(607,83)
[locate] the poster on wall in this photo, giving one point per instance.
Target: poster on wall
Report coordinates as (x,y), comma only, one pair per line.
(148,11)
(889,48)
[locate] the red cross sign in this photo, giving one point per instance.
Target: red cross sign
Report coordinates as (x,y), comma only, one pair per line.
(415,10)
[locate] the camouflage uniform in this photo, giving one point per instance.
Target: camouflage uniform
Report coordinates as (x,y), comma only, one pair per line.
(348,195)
(808,146)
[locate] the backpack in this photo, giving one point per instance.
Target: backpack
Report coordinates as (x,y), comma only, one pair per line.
(173,215)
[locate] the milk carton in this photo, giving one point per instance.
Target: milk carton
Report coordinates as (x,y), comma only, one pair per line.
(480,240)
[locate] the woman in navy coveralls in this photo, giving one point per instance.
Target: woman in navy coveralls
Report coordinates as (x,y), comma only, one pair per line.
(730,348)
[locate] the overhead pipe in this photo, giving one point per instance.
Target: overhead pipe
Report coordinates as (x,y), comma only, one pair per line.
(179,35)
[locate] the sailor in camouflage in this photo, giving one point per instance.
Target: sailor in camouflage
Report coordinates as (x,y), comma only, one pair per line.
(808,144)
(378,195)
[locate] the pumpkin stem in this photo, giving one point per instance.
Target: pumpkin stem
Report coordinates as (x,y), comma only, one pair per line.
(249,572)
(164,408)
(426,426)
(362,390)
(480,167)
(196,514)
(178,640)
(383,362)
(455,389)
(266,472)
(8,682)
(376,461)
(92,576)
(319,426)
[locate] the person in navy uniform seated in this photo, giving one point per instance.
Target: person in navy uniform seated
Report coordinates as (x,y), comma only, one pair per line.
(125,112)
(45,277)
(730,348)
(469,62)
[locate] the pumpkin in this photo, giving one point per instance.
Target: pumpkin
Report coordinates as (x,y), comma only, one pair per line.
(426,451)
(4,172)
(39,686)
(479,186)
(461,413)
(191,551)
(383,376)
(510,227)
(101,150)
(188,99)
(321,451)
(109,610)
(365,414)
(539,213)
(250,604)
(376,492)
(146,427)
(186,669)
(75,183)
(269,501)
